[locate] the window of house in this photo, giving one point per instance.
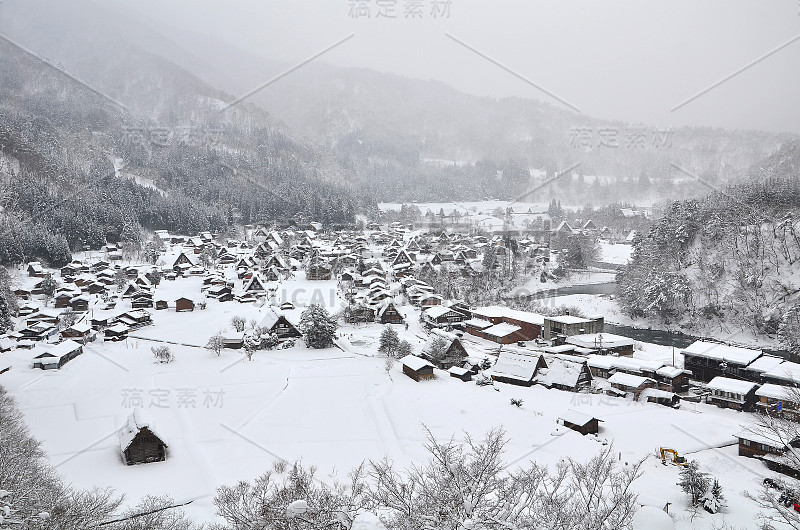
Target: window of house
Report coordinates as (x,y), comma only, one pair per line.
(746,443)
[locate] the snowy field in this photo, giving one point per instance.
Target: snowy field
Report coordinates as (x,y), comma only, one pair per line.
(617,254)
(227,418)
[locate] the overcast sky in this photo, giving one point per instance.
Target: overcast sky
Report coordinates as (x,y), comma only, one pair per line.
(629,59)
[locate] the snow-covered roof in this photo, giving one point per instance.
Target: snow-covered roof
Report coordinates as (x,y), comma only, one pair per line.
(563,348)
(669,371)
(81,327)
(786,371)
(727,384)
(436,311)
(457,370)
(722,352)
(415,363)
(569,319)
(495,311)
(633,381)
(271,317)
(576,418)
(656,393)
(118,328)
(137,421)
(478,323)
(774,391)
(560,372)
(760,438)
(57,351)
(765,363)
(450,337)
(608,362)
(520,366)
(502,329)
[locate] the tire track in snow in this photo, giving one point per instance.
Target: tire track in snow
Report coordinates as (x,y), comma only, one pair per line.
(387,434)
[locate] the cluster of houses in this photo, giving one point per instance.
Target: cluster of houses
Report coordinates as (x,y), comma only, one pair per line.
(744,378)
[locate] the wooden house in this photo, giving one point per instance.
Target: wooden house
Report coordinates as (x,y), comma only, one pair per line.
(629,383)
(116,332)
(142,300)
(184,304)
(62,300)
(604,343)
(55,357)
(139,442)
(769,450)
(517,368)
(453,353)
(778,401)
(182,262)
(528,325)
(565,374)
(35,270)
(732,393)
(579,422)
(161,304)
(388,313)
(660,397)
(255,285)
(79,332)
(417,368)
(459,372)
(233,340)
(440,316)
(276,322)
(223,293)
(503,333)
(673,379)
(708,360)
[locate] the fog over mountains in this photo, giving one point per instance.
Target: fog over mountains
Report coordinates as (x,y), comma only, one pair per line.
(395,138)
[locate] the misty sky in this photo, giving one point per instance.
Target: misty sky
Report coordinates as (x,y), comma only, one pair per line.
(633,60)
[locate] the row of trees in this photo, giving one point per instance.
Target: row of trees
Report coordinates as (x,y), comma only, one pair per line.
(460,486)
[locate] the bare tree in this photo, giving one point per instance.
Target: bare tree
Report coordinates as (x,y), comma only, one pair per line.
(163,354)
(779,428)
(216,342)
(238,323)
(469,486)
(290,498)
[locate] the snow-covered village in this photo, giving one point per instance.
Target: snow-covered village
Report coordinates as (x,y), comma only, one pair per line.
(382,265)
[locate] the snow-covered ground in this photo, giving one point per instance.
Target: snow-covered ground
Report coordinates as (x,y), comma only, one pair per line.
(535,285)
(227,418)
(617,254)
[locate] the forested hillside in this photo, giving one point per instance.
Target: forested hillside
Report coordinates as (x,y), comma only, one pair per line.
(732,257)
(78,168)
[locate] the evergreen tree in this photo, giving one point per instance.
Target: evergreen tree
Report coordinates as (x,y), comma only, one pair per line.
(404,349)
(318,327)
(389,341)
(49,285)
(5,315)
(714,500)
(694,483)
(438,348)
